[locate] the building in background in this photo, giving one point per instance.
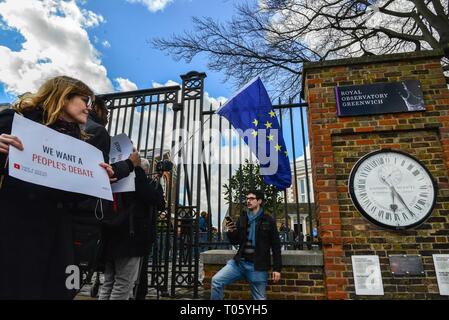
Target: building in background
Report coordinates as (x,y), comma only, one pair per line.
(299,195)
(165,179)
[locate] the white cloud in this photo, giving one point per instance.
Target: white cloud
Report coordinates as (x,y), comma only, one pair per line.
(106,44)
(153,5)
(56,43)
(299,13)
(3,26)
(148,117)
(90,19)
(215,102)
(125,85)
(301,157)
(208,100)
(169,83)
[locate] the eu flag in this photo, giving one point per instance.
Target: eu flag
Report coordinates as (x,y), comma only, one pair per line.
(250,112)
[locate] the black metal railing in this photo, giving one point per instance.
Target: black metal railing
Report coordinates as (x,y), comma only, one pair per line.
(172,123)
(291,121)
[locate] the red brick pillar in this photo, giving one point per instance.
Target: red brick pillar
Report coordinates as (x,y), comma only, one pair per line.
(333,143)
(321,107)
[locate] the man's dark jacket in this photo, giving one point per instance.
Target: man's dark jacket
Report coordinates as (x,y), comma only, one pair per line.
(267,237)
(134,233)
(129,231)
(86,225)
(99,138)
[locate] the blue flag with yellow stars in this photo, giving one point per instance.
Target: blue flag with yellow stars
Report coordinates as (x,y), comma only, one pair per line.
(250,112)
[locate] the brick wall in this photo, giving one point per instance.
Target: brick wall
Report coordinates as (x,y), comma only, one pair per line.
(300,280)
(337,143)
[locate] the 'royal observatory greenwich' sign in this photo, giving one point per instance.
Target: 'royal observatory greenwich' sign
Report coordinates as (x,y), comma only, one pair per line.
(404,96)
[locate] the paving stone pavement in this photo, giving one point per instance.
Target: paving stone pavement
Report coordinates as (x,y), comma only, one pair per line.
(181,293)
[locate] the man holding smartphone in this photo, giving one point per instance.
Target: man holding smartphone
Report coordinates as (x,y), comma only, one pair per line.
(256,234)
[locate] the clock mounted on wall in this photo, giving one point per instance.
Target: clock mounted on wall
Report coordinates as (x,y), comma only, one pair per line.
(392,189)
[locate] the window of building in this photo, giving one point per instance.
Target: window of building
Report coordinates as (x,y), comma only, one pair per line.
(302,190)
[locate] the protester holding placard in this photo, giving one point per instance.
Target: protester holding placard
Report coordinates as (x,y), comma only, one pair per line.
(91,213)
(95,127)
(129,239)
(99,137)
(35,224)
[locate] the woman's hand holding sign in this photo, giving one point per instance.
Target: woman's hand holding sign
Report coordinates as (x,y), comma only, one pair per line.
(7,140)
(109,171)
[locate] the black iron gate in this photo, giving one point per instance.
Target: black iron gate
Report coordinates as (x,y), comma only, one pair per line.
(185,255)
(148,117)
(170,123)
(151,118)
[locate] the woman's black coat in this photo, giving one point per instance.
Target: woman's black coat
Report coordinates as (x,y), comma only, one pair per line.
(35,231)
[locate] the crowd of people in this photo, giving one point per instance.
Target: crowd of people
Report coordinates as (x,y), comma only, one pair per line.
(45,230)
(39,225)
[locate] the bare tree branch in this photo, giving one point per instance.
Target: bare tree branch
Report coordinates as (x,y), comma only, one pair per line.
(273,38)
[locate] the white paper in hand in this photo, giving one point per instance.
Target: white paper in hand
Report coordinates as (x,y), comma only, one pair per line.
(56,160)
(121,149)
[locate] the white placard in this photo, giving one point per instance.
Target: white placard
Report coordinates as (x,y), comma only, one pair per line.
(121,148)
(56,160)
(441,262)
(367,276)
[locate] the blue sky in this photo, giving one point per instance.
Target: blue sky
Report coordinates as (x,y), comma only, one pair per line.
(105,43)
(120,37)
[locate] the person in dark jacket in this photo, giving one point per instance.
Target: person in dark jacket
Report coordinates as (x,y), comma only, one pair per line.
(96,128)
(128,240)
(203,226)
(255,233)
(100,138)
(35,224)
(141,285)
(87,216)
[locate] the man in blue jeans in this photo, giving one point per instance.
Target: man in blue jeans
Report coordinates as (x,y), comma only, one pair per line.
(255,233)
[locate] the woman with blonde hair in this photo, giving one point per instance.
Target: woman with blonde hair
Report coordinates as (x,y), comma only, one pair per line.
(36,245)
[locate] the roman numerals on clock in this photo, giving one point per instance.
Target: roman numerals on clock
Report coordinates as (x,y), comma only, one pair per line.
(392,189)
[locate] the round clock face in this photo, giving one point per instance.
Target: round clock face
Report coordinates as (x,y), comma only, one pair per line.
(392,189)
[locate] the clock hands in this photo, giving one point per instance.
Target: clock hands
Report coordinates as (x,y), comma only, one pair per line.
(395,193)
(402,201)
(392,189)
(393,206)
